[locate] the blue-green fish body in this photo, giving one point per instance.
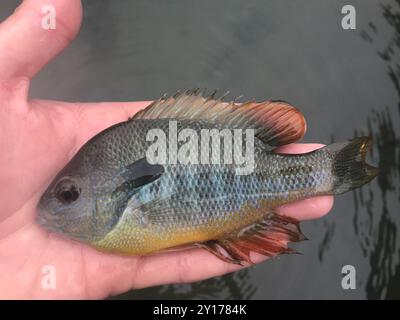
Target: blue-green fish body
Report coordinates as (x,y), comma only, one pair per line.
(115,196)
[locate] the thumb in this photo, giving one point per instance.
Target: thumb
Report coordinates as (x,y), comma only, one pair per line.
(34,34)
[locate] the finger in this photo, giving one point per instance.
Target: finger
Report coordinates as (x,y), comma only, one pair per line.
(27,42)
(308,209)
(186,266)
(91,118)
(95,117)
(140,272)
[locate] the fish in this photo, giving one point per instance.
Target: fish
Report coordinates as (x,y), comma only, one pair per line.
(117,198)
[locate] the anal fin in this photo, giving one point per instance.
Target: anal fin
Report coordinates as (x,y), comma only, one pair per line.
(268,237)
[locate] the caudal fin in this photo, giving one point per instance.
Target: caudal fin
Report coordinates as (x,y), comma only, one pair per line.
(349,166)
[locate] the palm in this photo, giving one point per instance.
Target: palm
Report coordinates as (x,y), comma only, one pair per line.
(44,136)
(37,138)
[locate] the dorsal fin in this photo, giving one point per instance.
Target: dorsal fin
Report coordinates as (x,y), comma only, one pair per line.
(275,122)
(269,237)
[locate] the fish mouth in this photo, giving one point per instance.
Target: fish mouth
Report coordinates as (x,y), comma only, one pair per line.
(45,217)
(50,221)
(47,220)
(40,220)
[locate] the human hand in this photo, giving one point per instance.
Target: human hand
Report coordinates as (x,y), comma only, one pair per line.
(37,138)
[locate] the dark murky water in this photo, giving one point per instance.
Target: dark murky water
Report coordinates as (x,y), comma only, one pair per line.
(347,82)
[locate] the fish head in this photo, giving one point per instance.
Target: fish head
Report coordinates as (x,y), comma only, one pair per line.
(68,206)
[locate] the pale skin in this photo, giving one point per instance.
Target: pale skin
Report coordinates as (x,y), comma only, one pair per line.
(37,138)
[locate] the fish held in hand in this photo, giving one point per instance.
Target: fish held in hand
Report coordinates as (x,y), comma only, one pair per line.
(113,197)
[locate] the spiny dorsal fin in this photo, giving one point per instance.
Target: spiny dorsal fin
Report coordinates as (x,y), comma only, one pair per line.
(268,237)
(275,122)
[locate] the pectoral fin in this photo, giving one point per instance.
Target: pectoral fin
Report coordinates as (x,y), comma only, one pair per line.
(132,178)
(141,172)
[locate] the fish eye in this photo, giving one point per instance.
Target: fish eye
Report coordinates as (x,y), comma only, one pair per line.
(67,192)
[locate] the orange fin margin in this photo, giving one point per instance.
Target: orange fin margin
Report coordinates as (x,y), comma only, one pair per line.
(275,122)
(268,237)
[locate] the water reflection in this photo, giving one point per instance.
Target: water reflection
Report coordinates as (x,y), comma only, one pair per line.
(377,224)
(329,227)
(377,229)
(391,53)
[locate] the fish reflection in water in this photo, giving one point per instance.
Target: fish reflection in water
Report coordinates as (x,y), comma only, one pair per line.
(376,218)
